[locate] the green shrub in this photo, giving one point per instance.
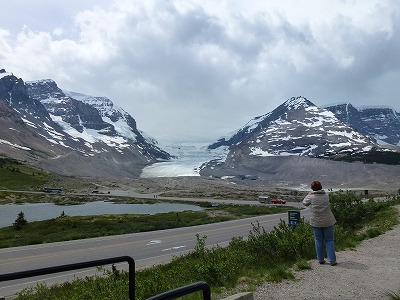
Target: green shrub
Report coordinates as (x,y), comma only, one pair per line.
(217,265)
(286,243)
(351,211)
(347,208)
(20,221)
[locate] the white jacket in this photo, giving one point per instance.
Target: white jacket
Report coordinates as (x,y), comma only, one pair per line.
(321,214)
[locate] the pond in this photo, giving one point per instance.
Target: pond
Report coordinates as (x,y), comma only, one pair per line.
(45,211)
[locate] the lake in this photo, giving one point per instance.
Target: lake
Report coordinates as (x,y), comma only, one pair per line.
(45,211)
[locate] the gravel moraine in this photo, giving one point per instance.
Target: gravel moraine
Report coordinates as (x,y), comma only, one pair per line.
(371,271)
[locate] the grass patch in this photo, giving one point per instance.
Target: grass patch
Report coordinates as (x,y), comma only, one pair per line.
(80,227)
(237,193)
(68,199)
(302,265)
(280,273)
(252,210)
(17,176)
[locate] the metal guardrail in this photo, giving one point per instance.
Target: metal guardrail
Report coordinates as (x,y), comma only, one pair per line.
(169,295)
(77,266)
(185,290)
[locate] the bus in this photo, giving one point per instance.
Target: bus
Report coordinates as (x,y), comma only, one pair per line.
(52,190)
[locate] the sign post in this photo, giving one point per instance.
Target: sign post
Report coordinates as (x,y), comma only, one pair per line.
(294,217)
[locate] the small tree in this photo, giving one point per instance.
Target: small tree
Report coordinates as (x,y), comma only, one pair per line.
(20,221)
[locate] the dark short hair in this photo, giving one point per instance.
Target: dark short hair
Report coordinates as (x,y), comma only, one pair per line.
(316,185)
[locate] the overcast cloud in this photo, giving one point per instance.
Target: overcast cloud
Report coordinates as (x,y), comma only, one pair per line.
(196,70)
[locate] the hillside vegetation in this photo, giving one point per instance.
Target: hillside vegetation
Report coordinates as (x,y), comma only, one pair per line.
(371,157)
(20,176)
(17,176)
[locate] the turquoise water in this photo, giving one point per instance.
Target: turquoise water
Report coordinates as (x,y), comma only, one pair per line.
(45,211)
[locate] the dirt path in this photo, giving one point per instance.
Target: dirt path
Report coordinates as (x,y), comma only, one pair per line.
(372,271)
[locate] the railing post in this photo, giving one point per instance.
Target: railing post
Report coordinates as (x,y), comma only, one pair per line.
(185,290)
(77,266)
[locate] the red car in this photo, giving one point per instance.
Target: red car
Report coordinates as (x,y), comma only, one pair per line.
(278,201)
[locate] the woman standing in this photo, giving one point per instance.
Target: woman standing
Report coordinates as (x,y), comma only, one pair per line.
(322,221)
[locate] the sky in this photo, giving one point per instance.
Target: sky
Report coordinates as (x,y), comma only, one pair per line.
(197,70)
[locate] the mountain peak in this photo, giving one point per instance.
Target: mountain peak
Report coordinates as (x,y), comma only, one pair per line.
(59,133)
(4,73)
(297,127)
(292,105)
(297,103)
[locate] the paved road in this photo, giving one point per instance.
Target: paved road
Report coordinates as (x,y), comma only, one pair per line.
(146,249)
(130,193)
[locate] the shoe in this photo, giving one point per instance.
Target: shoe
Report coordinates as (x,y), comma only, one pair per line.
(322,262)
(333,263)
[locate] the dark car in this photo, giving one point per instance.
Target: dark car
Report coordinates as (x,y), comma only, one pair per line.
(278,201)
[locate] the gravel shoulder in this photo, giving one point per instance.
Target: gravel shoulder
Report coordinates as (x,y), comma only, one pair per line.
(371,271)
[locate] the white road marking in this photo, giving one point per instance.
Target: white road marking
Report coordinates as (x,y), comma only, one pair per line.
(154,242)
(173,248)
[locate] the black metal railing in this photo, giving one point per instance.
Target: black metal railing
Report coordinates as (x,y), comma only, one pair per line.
(185,290)
(169,295)
(77,266)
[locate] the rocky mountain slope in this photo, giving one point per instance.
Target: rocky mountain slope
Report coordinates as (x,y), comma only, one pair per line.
(71,134)
(298,142)
(93,120)
(298,128)
(381,123)
(80,135)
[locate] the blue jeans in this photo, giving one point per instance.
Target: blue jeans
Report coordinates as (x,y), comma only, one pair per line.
(324,237)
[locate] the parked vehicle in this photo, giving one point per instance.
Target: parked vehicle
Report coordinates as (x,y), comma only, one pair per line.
(52,190)
(278,201)
(264,199)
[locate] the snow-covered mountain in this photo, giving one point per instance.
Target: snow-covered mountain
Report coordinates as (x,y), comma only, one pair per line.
(299,142)
(76,134)
(296,128)
(380,122)
(59,130)
(93,119)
